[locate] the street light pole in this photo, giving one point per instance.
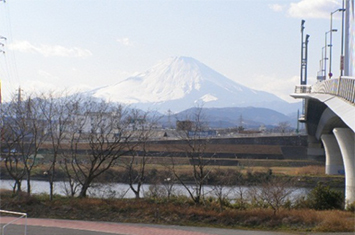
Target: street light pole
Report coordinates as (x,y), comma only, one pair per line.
(342,40)
(331,40)
(306,58)
(302,57)
(322,69)
(325,51)
(330,51)
(325,55)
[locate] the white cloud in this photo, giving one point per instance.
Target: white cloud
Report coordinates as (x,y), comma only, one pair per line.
(125,42)
(280,87)
(276,7)
(37,87)
(46,75)
(49,50)
(313,8)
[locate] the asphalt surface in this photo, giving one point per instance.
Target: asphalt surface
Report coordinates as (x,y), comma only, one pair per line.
(70,227)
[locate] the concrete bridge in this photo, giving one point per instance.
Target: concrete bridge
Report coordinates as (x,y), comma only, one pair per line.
(329,116)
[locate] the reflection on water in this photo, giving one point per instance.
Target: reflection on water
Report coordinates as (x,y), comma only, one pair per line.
(119,190)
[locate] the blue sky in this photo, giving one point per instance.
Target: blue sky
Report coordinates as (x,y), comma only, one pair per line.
(88,44)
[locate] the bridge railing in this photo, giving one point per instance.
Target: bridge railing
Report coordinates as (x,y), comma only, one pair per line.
(303,89)
(343,87)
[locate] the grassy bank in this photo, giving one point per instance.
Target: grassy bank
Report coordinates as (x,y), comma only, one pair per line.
(248,174)
(179,211)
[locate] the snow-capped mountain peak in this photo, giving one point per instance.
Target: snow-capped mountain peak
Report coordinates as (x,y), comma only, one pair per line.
(179,83)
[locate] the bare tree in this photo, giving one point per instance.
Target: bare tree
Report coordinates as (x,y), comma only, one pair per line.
(58,112)
(23,136)
(224,185)
(101,138)
(71,184)
(282,127)
(193,133)
(142,130)
(168,183)
(273,192)
(13,162)
(71,151)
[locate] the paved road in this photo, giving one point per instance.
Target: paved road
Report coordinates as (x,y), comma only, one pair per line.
(70,227)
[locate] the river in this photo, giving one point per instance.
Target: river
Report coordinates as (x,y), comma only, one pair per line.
(120,190)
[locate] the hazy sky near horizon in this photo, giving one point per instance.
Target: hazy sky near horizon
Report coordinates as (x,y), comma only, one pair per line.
(88,44)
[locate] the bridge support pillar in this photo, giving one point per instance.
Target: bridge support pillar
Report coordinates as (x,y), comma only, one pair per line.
(346,141)
(314,149)
(333,160)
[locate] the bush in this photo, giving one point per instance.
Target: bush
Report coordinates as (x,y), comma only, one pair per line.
(324,198)
(351,207)
(155,191)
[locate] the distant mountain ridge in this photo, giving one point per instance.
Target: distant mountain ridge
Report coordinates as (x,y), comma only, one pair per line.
(248,117)
(179,83)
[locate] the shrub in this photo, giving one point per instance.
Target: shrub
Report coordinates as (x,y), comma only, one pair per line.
(351,207)
(155,191)
(241,204)
(324,198)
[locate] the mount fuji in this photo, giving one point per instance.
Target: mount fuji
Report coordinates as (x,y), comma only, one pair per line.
(179,83)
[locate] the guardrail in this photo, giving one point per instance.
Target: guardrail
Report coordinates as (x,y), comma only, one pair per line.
(13,220)
(343,87)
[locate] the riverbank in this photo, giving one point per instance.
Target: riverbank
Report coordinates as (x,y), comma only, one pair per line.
(179,211)
(302,177)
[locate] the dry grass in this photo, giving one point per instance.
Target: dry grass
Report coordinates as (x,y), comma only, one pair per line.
(220,148)
(180,211)
(334,222)
(308,170)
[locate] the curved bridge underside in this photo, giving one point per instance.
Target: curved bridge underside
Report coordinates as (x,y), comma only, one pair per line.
(330,124)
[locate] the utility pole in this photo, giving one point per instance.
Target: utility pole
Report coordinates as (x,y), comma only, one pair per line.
(19,98)
(19,101)
(169,119)
(240,127)
(1,117)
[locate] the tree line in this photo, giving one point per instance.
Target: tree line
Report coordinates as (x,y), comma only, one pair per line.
(85,137)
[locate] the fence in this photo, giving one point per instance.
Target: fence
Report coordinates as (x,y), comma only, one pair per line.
(12,220)
(343,87)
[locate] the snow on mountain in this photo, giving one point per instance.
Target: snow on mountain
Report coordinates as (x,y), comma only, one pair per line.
(180,83)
